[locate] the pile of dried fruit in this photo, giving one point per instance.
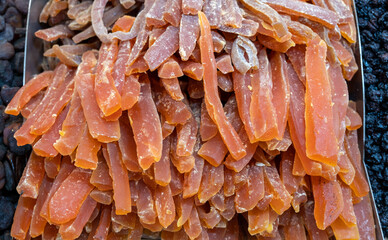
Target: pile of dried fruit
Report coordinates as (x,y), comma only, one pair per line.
(188,123)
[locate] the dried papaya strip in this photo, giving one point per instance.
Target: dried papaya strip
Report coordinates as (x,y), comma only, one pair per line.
(290,181)
(298,8)
(192,226)
(86,156)
(321,141)
(162,171)
(38,223)
(241,83)
(191,6)
(214,150)
(173,12)
(296,55)
(310,224)
(230,14)
(146,126)
(107,96)
(120,181)
(174,112)
(32,177)
(56,32)
(213,103)
(138,46)
(224,64)
(340,99)
(342,231)
(295,227)
(268,14)
(355,121)
(130,92)
(173,88)
(170,69)
(193,70)
(208,218)
(344,56)
(28,91)
(154,17)
(72,127)
(192,179)
(281,89)
(248,29)
(188,35)
(123,24)
(52,166)
(183,164)
(100,129)
(64,205)
(145,205)
(301,34)
(258,221)
(102,229)
(252,191)
(163,48)
(296,123)
(119,67)
(22,218)
(347,215)
(165,206)
(272,44)
(44,146)
(32,104)
(238,165)
(66,168)
(186,137)
(281,198)
(47,119)
(212,10)
(264,119)
(100,176)
(328,201)
(73,228)
(103,197)
(212,181)
(127,146)
(52,94)
(359,185)
(365,220)
(225,82)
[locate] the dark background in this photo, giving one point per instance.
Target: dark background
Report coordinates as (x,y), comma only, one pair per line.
(373,22)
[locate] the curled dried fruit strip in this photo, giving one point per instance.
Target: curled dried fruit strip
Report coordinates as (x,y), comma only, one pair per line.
(213,103)
(243,46)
